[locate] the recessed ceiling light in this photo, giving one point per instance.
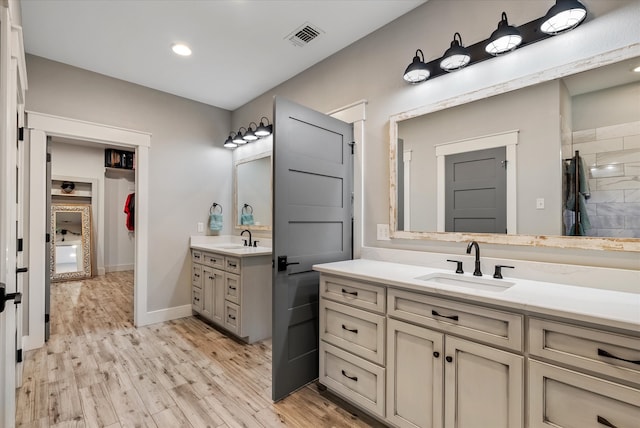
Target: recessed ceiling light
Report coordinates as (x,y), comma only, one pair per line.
(637,69)
(181,49)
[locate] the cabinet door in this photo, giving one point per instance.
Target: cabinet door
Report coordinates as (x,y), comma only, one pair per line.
(483,386)
(414,376)
(207,292)
(217,306)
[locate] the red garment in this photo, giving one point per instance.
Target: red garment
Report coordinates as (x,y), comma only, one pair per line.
(129,209)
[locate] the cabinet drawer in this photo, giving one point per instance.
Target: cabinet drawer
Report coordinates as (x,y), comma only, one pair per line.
(232,264)
(355,293)
(196,299)
(213,260)
(595,350)
(355,330)
(232,317)
(196,275)
(357,380)
(481,324)
(232,288)
(567,399)
(196,256)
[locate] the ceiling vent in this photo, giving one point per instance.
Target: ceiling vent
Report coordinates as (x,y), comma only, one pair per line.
(302,35)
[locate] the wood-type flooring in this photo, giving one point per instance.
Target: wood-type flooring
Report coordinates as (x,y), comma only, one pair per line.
(97,370)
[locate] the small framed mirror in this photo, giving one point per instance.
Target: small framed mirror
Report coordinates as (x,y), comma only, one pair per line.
(71,242)
(252,193)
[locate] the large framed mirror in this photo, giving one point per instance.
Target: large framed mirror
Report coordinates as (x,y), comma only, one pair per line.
(252,192)
(528,130)
(71,242)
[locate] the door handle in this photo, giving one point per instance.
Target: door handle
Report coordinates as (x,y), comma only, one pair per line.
(16,297)
(282,263)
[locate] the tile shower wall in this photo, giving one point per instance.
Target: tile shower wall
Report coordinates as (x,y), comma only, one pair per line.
(612,156)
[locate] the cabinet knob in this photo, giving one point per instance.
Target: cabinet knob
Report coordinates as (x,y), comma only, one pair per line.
(449,359)
(436,354)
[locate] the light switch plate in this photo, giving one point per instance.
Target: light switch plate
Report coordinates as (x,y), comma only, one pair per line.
(383,232)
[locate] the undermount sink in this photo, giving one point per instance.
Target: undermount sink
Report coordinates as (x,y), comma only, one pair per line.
(231,247)
(458,280)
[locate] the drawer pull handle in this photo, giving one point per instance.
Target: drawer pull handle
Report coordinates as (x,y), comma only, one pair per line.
(210,277)
(450,317)
(353,378)
(353,293)
(604,353)
(354,330)
(233,265)
(232,317)
(232,288)
(196,275)
(605,422)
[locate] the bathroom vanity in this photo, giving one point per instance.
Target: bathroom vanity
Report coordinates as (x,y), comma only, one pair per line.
(231,287)
(421,347)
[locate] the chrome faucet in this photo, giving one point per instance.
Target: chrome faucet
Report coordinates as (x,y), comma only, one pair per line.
(245,241)
(476,271)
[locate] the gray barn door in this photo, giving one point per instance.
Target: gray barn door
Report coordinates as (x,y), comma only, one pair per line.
(312,223)
(476,191)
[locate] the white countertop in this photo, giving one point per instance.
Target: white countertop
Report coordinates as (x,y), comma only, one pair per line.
(227,245)
(605,307)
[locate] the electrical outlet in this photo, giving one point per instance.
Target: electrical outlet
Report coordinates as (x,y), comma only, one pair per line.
(540,203)
(200,227)
(383,232)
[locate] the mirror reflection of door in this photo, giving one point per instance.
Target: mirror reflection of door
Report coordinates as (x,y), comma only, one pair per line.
(70,255)
(476,191)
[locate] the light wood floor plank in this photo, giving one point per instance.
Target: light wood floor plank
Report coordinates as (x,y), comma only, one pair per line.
(97,370)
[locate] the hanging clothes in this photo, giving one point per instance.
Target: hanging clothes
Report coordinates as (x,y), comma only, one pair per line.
(129,210)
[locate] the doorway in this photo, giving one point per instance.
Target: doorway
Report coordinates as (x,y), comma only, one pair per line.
(40,127)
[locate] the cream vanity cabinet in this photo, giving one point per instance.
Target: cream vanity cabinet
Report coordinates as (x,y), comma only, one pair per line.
(444,368)
(442,363)
(233,292)
(590,377)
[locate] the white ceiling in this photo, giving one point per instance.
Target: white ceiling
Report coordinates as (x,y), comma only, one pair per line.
(240,47)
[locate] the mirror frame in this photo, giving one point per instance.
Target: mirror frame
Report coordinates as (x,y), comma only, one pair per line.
(236,214)
(586,243)
(87,239)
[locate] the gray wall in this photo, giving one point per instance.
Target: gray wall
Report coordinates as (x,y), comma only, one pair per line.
(189,169)
(620,104)
(372,68)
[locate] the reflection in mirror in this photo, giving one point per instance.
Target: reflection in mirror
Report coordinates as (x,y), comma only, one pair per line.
(595,112)
(71,243)
(252,196)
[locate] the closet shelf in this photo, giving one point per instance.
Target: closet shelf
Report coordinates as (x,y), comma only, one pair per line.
(124,171)
(75,193)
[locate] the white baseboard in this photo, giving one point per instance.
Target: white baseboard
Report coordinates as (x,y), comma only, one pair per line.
(32,342)
(163,315)
(118,268)
(101,271)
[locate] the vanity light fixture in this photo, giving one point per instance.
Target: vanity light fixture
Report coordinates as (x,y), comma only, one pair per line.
(239,138)
(456,57)
(504,39)
(264,130)
(229,144)
(250,135)
(565,15)
(181,49)
(417,71)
